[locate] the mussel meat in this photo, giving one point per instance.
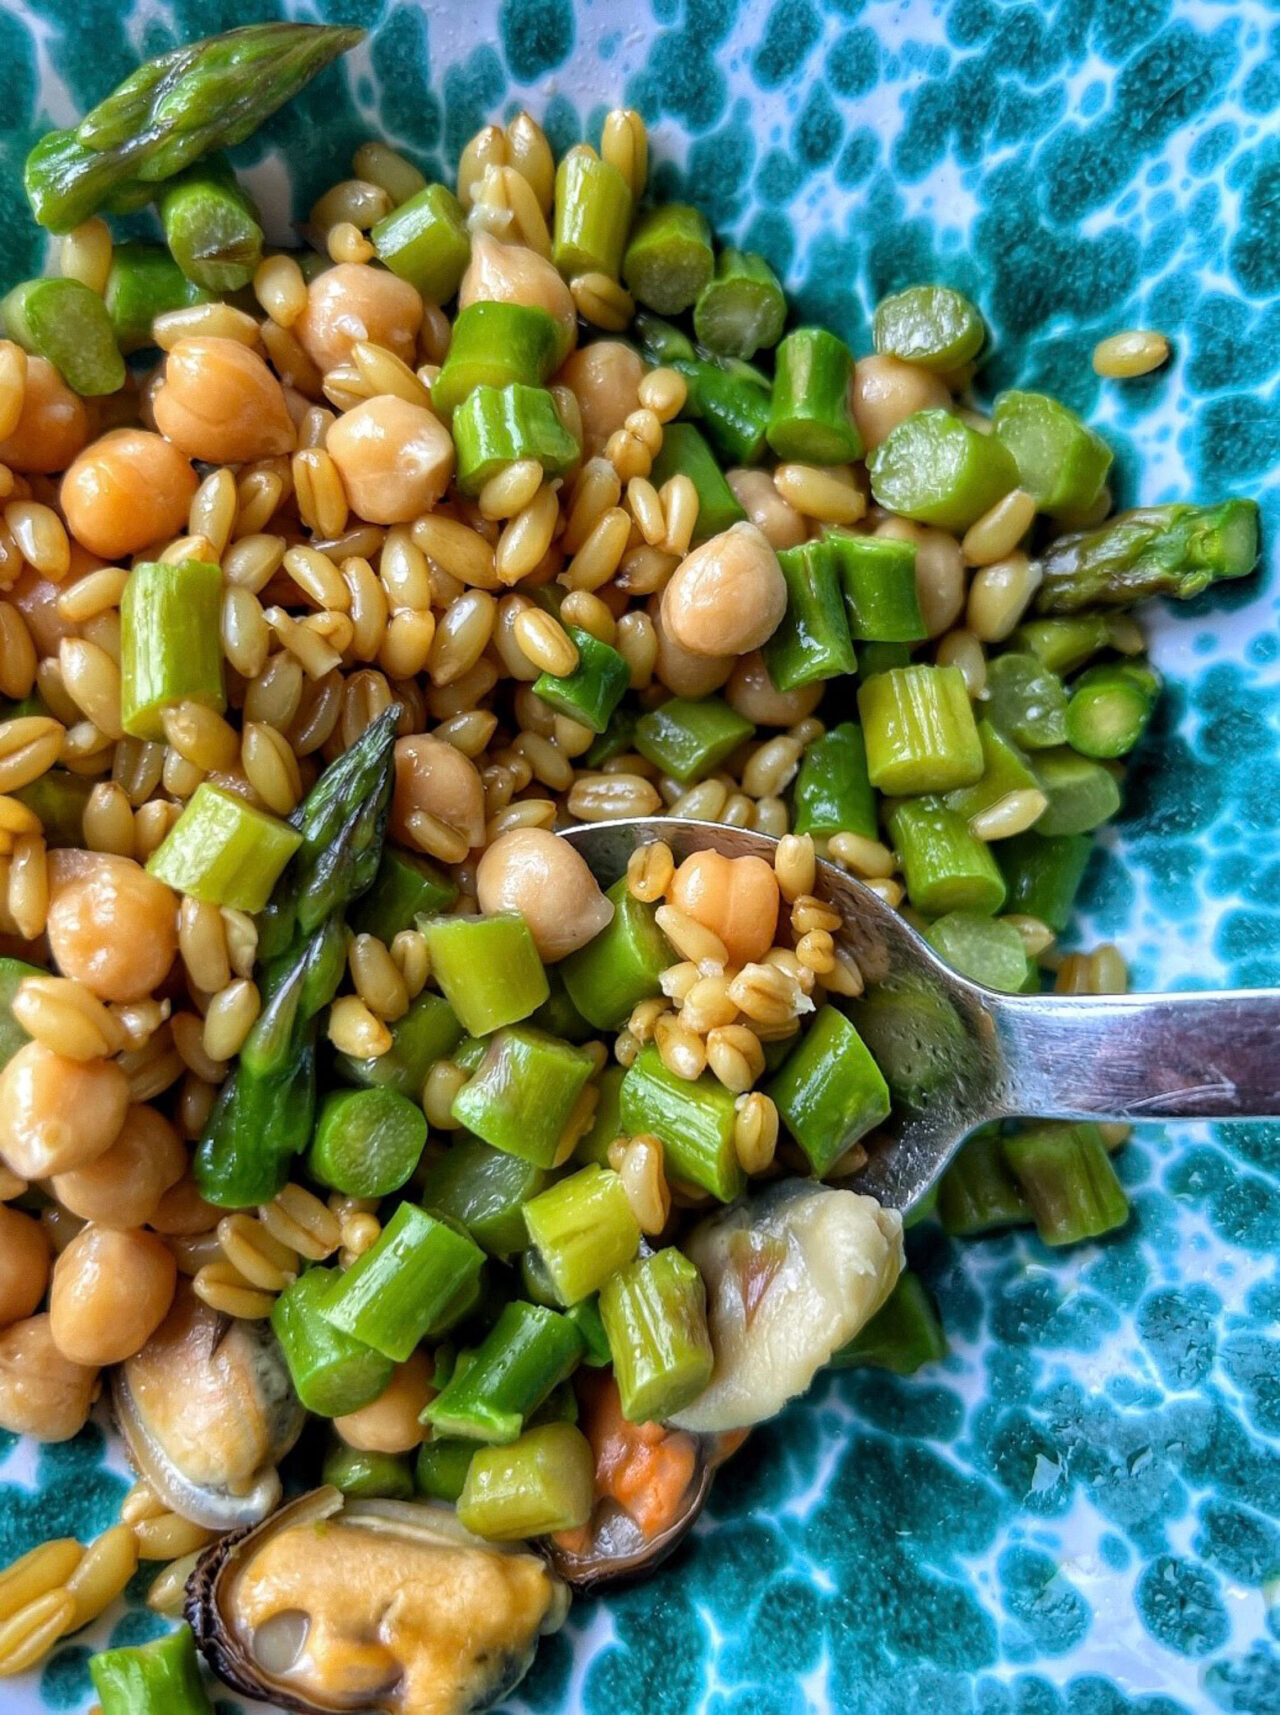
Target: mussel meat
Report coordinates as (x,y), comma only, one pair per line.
(389,1607)
(207,1411)
(791,1275)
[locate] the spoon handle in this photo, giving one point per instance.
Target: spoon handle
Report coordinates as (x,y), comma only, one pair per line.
(1140,1056)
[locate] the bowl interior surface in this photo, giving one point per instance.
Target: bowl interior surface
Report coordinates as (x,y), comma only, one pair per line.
(1075,1513)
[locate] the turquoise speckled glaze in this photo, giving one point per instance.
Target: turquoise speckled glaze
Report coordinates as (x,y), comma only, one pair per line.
(1076,1513)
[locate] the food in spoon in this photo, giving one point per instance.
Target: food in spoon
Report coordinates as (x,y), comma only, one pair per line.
(352,1135)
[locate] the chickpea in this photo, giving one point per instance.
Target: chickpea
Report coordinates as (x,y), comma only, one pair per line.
(123,1187)
(535,872)
(755,696)
(58,1114)
(683,673)
(127,490)
(42,1393)
(219,402)
(390,1424)
(782,525)
(354,302)
(737,898)
(605,379)
(511,274)
(111,926)
(395,459)
(182,1212)
(111,1291)
(727,597)
(940,572)
(24,1265)
(885,391)
(53,426)
(434,776)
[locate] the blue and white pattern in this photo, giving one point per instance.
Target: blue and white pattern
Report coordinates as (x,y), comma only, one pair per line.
(1076,1513)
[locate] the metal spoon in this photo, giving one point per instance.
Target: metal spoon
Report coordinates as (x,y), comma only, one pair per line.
(957,1055)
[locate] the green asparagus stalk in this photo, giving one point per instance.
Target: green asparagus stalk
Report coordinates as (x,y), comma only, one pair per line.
(829,1091)
(734,408)
(985,948)
(484,1189)
(669,259)
(441,1471)
(1110,707)
(65,322)
(367,1142)
(342,821)
(661,341)
(428,1032)
(1175,551)
(1043,875)
(174,109)
(1067,1177)
(527,1353)
(743,308)
(368,1476)
(1063,644)
(263,1116)
(903,1335)
(222,849)
(833,793)
(542,1483)
(583,1229)
(406,885)
(159,1678)
(332,1372)
(684,452)
(419,1278)
(13,973)
(211,226)
(978,1192)
(1082,793)
(932,326)
(145,282)
(655,1318)
(170,648)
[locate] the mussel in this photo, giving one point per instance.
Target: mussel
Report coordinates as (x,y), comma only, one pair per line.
(621,1543)
(791,1273)
(207,1411)
(389,1607)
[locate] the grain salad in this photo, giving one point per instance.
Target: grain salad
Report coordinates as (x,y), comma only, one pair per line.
(336,1092)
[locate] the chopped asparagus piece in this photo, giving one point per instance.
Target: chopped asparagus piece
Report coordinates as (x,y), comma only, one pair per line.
(170,642)
(669,259)
(655,1317)
(919,730)
(932,326)
(1061,462)
(694,1120)
(743,308)
(67,323)
(829,1091)
(936,468)
(224,851)
(487,967)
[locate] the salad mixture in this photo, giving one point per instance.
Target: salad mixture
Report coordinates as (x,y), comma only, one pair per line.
(355,1141)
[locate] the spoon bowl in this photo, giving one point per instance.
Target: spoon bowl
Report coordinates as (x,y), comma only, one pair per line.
(957,1055)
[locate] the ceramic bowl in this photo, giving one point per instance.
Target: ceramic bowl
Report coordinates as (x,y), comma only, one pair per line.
(1076,1512)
